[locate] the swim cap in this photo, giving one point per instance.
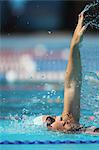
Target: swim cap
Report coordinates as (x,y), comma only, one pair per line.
(38,121)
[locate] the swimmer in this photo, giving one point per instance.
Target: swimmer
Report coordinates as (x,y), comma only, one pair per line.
(68,122)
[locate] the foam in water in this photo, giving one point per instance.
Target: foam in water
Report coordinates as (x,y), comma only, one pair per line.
(91,12)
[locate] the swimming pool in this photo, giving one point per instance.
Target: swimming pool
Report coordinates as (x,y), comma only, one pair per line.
(22,99)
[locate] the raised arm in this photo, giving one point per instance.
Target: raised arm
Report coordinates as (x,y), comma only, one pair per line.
(73,75)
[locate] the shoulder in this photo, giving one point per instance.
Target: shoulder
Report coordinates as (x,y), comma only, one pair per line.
(92,130)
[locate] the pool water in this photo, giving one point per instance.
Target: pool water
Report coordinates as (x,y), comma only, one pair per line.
(22,100)
(30,108)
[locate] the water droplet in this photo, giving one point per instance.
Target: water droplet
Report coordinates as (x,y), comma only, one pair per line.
(28,22)
(58,97)
(3,99)
(53,92)
(49,32)
(25,111)
(92,14)
(48,92)
(44,96)
(8,34)
(98,98)
(48,96)
(43,102)
(43,76)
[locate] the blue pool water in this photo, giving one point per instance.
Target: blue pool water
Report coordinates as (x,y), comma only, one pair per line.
(23,100)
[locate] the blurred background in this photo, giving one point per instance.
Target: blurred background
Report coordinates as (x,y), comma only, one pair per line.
(34,47)
(32,37)
(29,16)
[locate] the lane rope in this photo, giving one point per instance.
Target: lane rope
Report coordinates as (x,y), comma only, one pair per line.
(49,142)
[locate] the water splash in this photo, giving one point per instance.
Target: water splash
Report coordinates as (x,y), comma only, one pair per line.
(91,12)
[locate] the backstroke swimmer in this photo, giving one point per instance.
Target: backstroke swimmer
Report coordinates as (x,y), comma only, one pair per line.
(68,122)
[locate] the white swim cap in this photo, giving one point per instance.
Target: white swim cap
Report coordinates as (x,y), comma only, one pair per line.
(38,121)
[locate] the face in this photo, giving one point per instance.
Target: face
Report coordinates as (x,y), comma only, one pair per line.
(54,123)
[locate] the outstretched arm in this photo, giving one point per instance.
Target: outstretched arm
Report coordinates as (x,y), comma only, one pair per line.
(73,77)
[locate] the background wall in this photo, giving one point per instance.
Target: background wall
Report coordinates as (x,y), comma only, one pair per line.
(25,16)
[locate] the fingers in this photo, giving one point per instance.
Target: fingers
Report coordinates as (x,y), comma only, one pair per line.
(83,29)
(81,16)
(80,29)
(80,19)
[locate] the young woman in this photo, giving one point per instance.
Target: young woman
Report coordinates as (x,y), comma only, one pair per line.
(68,122)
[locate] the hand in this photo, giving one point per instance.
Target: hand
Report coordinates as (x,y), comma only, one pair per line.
(80,29)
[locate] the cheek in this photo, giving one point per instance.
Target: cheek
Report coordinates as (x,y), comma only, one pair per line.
(56,126)
(53,125)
